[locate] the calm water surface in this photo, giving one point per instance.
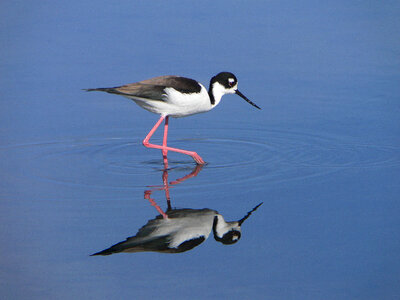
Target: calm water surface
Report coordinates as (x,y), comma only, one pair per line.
(322,155)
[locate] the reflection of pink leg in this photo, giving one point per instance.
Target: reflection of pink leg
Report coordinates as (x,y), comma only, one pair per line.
(166,188)
(165,151)
(153,203)
(164,147)
(193,174)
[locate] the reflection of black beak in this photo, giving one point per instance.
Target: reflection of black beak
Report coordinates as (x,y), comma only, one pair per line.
(245,98)
(248,214)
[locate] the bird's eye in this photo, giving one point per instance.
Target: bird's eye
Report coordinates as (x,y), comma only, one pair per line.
(231,82)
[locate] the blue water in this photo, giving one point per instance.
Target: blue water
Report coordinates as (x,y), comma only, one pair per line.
(323,154)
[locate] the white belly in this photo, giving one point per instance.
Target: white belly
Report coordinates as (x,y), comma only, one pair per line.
(176,104)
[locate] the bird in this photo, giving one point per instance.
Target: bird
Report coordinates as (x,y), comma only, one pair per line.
(183,230)
(176,97)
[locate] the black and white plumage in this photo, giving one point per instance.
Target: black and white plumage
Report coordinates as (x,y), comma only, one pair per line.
(183,230)
(175,96)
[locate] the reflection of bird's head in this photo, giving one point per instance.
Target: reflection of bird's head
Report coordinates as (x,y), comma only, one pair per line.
(226,232)
(229,232)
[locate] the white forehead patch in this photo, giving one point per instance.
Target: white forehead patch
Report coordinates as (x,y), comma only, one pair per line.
(231,80)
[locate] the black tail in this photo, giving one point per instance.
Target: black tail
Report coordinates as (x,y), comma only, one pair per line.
(113,249)
(104,252)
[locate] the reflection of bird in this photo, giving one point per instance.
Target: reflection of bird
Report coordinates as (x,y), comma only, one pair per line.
(177,97)
(183,230)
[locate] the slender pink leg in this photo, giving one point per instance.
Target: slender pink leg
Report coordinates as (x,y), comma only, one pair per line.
(165,162)
(153,203)
(165,136)
(165,149)
(148,136)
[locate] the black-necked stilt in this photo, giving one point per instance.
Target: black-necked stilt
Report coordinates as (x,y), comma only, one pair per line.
(175,96)
(179,230)
(183,230)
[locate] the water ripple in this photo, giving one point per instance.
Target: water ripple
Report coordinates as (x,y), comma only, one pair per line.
(240,156)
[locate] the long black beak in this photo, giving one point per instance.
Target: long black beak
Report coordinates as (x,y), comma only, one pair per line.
(248,214)
(245,98)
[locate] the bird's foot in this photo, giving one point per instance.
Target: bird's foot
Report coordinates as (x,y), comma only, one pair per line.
(198,159)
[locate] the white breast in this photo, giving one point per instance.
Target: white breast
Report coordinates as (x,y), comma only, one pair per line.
(178,104)
(182,105)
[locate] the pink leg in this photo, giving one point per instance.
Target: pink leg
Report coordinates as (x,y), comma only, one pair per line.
(153,203)
(165,136)
(164,147)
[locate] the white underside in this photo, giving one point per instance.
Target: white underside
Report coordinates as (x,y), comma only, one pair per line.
(176,104)
(183,226)
(187,225)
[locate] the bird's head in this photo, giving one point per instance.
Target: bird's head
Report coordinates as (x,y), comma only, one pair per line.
(226,83)
(226,232)
(229,232)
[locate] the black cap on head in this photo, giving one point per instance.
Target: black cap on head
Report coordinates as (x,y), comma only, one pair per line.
(226,79)
(229,237)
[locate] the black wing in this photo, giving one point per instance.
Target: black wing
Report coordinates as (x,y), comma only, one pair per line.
(154,88)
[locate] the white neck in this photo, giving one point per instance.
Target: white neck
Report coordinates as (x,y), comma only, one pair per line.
(223,227)
(217,90)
